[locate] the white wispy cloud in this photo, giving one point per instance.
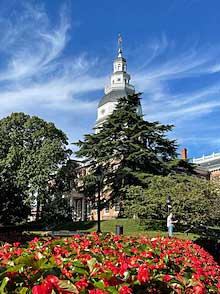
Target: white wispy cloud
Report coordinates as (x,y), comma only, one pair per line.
(35,73)
(55,94)
(32,44)
(156,80)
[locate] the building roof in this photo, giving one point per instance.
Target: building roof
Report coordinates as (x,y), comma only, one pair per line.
(114,95)
(210,162)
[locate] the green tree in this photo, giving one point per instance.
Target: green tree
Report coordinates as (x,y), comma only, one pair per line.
(31,152)
(129,148)
(193,200)
(56,208)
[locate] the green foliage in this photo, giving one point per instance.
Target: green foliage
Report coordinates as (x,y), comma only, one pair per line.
(31,151)
(56,209)
(128,148)
(89,186)
(193,200)
(65,180)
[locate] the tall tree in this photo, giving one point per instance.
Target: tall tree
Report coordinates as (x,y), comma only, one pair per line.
(129,148)
(31,152)
(192,200)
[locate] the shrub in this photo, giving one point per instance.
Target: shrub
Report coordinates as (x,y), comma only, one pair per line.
(104,264)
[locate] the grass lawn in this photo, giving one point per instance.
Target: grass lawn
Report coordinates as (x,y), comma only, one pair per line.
(133,227)
(130,227)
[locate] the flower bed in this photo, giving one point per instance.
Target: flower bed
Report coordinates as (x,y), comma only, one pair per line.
(108,264)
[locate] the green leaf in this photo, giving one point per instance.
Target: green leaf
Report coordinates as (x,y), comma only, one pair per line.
(126,275)
(52,271)
(212,289)
(3,285)
(91,263)
(68,286)
(80,270)
(111,290)
(16,268)
(23,290)
(35,277)
(166,258)
(78,264)
(26,260)
(107,275)
(100,284)
(2,269)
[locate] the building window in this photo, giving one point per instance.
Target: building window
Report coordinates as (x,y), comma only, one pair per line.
(117,205)
(118,79)
(89,208)
(107,207)
(71,184)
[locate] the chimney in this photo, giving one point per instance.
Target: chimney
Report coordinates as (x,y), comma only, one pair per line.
(184,153)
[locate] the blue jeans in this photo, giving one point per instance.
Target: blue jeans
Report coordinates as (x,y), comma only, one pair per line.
(170,231)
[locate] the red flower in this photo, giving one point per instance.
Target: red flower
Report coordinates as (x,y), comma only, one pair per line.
(134,250)
(35,240)
(44,288)
(52,279)
(143,274)
(146,254)
(125,290)
(198,289)
(18,251)
(166,278)
(117,261)
(81,284)
(16,244)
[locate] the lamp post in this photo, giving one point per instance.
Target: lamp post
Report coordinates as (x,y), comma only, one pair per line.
(169,206)
(98,180)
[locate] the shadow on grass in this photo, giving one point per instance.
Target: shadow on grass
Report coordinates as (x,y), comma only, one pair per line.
(76,226)
(153,225)
(69,225)
(27,232)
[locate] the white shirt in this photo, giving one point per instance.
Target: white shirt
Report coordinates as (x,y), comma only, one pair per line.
(169,221)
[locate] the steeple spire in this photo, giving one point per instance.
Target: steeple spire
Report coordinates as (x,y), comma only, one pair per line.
(119,46)
(119,53)
(119,87)
(120,79)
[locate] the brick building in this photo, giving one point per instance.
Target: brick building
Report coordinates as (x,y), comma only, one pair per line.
(211,163)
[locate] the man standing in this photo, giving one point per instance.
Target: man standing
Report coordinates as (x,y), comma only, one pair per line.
(170,224)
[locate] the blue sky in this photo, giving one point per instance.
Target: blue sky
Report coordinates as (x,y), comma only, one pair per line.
(56,58)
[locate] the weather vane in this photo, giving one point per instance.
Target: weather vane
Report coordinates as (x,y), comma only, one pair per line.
(119,41)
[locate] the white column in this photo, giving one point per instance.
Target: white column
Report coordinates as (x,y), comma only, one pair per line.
(83,208)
